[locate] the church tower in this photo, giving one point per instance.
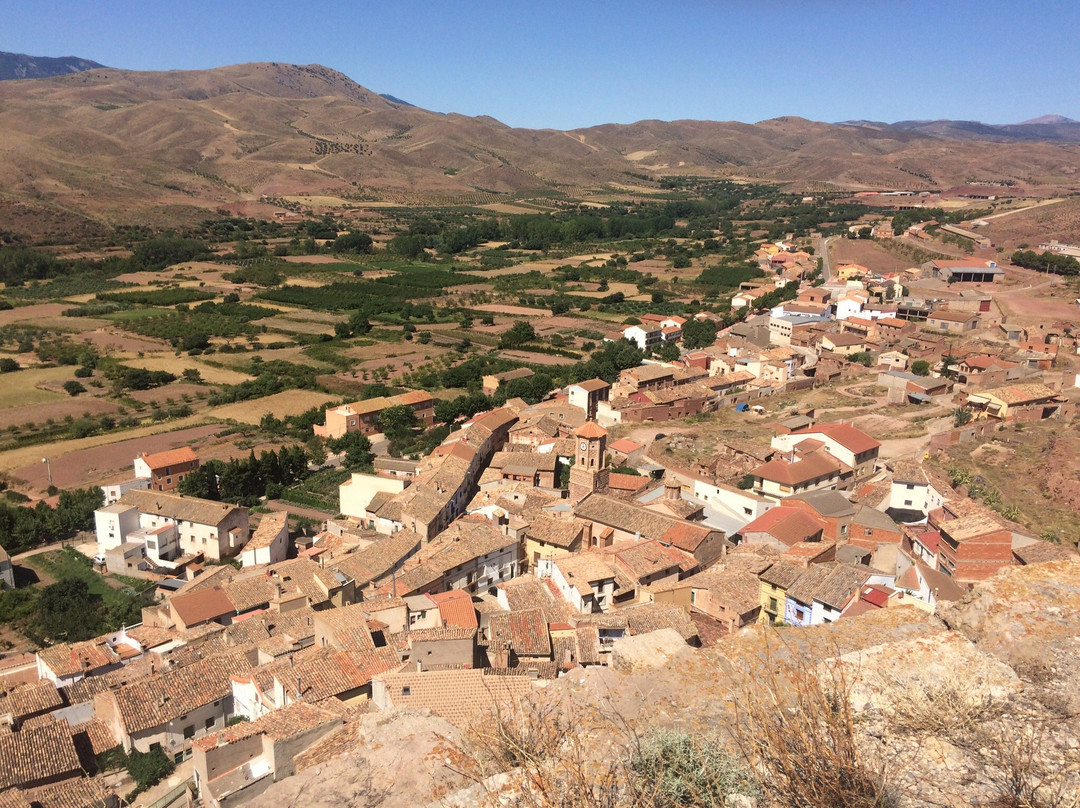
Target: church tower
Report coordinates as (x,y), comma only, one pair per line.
(589,472)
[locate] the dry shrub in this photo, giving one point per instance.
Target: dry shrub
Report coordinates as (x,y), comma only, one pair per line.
(1022,768)
(797,728)
(948,706)
(572,756)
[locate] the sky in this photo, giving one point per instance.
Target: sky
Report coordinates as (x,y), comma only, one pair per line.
(564,65)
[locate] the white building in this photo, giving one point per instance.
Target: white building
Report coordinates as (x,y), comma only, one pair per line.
(586,581)
(356,493)
(269,543)
(216,530)
(644,336)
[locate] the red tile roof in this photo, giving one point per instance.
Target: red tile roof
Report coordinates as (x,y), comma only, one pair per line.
(625,445)
(626,482)
(173,457)
(456,608)
(786,524)
(590,429)
(198,607)
(846,435)
(808,468)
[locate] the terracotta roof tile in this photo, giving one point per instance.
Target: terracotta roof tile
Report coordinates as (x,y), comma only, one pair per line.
(526,631)
(37,754)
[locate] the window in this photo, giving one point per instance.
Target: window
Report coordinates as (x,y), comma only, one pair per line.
(209,723)
(907,501)
(189,732)
(910,486)
(772,604)
(406,691)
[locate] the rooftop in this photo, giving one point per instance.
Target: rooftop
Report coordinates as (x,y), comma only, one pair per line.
(173,457)
(179,507)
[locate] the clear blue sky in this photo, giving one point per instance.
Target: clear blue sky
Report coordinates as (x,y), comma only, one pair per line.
(566,64)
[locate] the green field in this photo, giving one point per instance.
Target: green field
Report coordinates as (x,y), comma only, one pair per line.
(132,315)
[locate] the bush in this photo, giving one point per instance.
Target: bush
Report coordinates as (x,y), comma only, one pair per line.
(920,367)
(678,769)
(796,726)
(9,365)
(149,768)
(73,388)
(83,373)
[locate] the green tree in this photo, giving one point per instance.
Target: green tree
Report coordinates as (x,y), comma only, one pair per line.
(68,612)
(669,352)
(519,334)
(202,482)
(73,388)
(863,358)
(149,768)
(397,422)
(354,241)
(7,365)
(698,334)
(920,367)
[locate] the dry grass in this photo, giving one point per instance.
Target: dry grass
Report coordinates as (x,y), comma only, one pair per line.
(539,754)
(948,707)
(20,389)
(291,402)
(797,729)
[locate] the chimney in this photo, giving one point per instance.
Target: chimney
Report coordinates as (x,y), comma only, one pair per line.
(299,691)
(586,538)
(672,489)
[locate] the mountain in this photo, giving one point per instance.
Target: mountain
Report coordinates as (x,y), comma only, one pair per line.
(1043,128)
(22,66)
(1049,119)
(84,151)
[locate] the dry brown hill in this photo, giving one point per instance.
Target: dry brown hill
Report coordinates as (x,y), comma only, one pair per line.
(101,147)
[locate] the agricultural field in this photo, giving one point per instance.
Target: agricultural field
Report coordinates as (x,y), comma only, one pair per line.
(33,386)
(291,402)
(292,318)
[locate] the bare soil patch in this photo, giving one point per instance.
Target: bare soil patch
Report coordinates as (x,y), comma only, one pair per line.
(517,311)
(177,364)
(169,391)
(537,358)
(868,254)
(114,342)
(36,312)
(84,467)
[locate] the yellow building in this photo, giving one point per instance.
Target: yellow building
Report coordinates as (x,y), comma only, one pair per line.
(775,582)
(550,537)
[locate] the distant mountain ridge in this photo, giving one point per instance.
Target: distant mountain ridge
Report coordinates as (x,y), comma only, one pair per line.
(24,66)
(1045,127)
(88,150)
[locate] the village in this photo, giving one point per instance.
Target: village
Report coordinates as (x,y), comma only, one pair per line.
(537,539)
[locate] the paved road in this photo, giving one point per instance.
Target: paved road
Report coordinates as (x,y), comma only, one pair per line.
(822,250)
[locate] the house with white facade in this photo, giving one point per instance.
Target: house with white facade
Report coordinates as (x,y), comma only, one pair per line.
(172,525)
(586,581)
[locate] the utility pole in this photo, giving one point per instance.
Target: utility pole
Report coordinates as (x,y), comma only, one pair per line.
(48,468)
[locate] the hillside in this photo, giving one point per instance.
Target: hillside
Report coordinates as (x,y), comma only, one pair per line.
(84,151)
(24,66)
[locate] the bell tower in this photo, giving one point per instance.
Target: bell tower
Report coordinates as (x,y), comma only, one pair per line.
(589,472)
